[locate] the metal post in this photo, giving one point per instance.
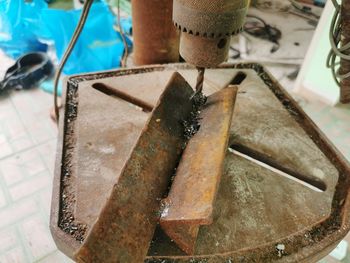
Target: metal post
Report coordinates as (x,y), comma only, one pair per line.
(156,40)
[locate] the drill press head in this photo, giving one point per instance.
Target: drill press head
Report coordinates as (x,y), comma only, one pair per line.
(206,28)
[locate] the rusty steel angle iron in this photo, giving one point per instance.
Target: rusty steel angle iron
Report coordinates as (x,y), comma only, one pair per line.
(190,202)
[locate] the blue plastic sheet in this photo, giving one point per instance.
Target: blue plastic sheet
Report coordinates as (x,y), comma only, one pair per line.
(19,23)
(99,47)
(126,24)
(25,27)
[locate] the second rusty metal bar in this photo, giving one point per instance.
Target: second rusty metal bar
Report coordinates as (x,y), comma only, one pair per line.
(190,202)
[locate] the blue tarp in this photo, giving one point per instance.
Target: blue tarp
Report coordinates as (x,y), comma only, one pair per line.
(26,27)
(19,23)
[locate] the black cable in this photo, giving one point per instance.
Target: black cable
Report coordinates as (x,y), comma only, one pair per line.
(76,34)
(304,9)
(236,53)
(119,28)
(257,27)
(121,31)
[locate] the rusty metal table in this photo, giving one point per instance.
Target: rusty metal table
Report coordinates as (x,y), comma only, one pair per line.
(284,192)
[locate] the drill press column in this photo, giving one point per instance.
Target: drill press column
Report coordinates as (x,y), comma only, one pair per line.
(206,28)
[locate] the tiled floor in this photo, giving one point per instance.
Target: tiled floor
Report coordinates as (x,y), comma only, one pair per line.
(27,151)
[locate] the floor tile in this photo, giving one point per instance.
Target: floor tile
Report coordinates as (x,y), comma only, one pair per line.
(33,108)
(47,152)
(44,197)
(17,211)
(5,147)
(15,255)
(11,170)
(334,122)
(30,186)
(13,134)
(37,237)
(22,166)
(8,240)
(56,257)
(3,201)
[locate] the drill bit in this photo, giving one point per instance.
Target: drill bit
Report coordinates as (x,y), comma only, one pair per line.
(200,80)
(198,97)
(192,125)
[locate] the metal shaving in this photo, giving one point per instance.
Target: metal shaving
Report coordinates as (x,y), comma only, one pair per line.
(192,125)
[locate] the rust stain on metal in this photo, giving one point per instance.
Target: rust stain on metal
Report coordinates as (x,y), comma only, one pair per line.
(125,226)
(249,195)
(147,107)
(106,130)
(190,202)
(155,37)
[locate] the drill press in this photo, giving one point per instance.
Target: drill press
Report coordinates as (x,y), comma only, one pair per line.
(206,28)
(104,198)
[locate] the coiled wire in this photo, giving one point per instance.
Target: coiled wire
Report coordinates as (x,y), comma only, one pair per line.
(337,49)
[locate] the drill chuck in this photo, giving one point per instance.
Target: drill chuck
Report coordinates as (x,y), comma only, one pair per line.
(206,28)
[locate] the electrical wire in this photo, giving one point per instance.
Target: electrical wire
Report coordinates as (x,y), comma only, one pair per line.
(303,9)
(122,34)
(76,34)
(118,27)
(337,50)
(236,53)
(257,27)
(269,6)
(121,31)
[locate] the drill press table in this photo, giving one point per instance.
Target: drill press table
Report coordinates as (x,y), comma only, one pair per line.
(283,196)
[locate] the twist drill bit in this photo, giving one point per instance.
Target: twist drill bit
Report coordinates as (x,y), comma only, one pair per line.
(198,98)
(200,80)
(192,125)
